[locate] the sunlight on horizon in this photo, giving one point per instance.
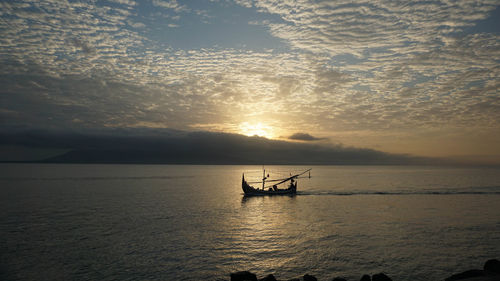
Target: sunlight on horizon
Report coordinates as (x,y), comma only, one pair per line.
(256,129)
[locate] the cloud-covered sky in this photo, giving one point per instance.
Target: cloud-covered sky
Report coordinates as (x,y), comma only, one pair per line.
(419,77)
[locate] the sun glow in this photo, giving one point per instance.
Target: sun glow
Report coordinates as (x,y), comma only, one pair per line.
(256,129)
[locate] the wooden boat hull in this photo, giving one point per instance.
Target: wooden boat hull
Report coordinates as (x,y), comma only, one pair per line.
(252,191)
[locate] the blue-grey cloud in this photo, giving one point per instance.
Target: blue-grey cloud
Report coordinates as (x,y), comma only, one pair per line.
(86,48)
(304,137)
(170,4)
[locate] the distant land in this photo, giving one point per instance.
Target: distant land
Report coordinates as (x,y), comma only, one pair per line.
(168,146)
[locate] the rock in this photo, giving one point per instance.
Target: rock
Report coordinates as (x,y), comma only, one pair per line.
(308,277)
(492,266)
(243,276)
(269,277)
(381,277)
(339,279)
(466,274)
(366,277)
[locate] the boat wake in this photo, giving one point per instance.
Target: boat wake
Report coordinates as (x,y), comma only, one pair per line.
(461,191)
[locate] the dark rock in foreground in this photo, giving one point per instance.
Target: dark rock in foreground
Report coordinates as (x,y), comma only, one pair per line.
(490,272)
(243,276)
(269,277)
(381,277)
(492,266)
(466,274)
(308,277)
(366,277)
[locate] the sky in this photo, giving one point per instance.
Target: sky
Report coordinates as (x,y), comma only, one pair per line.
(406,77)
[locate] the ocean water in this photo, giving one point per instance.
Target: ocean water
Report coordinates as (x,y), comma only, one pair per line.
(183,222)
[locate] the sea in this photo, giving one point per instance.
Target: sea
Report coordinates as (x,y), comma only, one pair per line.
(192,222)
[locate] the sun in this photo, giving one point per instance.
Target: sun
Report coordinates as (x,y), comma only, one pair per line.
(256,129)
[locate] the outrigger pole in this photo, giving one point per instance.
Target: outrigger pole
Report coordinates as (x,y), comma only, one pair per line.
(294,176)
(284,179)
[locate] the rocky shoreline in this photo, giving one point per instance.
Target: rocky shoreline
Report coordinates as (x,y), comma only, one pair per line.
(490,272)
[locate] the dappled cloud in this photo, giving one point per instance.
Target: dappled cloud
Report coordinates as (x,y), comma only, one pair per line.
(367,73)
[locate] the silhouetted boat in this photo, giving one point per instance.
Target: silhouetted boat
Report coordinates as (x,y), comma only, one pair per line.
(273,188)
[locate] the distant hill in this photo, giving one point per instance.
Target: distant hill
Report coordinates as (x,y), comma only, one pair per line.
(164,146)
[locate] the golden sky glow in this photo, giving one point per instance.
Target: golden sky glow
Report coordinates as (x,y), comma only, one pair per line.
(414,77)
(256,129)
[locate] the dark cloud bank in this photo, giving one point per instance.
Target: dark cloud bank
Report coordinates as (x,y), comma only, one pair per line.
(304,137)
(166,146)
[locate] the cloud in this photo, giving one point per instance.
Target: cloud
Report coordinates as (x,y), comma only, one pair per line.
(244,3)
(412,59)
(401,84)
(125,2)
(136,24)
(170,4)
(355,26)
(84,46)
(304,137)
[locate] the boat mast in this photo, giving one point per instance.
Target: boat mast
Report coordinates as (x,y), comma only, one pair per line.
(263,177)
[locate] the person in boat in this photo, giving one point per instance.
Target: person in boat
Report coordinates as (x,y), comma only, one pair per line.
(275,188)
(291,183)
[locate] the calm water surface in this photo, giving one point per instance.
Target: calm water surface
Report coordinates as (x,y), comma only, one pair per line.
(168,222)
